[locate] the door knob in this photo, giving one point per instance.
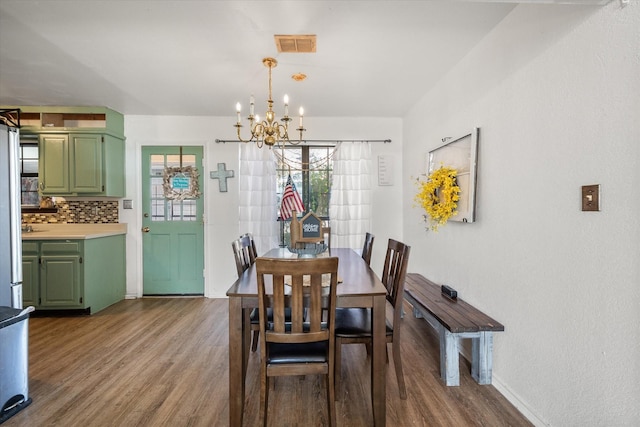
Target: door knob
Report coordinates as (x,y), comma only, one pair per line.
(145,229)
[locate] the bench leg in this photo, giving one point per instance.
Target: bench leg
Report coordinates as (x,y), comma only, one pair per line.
(449,357)
(416,313)
(482,357)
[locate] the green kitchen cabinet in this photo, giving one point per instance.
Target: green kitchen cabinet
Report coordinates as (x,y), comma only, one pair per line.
(82,149)
(53,164)
(61,274)
(87,275)
(84,164)
(30,273)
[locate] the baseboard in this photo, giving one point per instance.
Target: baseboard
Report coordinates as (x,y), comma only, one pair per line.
(513,398)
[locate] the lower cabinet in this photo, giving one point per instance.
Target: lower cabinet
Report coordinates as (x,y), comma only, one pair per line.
(74,274)
(61,277)
(30,273)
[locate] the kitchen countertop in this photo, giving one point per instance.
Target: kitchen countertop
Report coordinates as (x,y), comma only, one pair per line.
(73,231)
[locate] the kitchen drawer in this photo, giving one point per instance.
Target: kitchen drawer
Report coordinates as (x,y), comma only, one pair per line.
(69,247)
(29,247)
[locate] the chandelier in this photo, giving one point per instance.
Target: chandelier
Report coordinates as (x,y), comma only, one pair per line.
(269,131)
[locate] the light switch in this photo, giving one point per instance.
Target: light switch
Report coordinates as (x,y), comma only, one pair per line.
(590,198)
(127,204)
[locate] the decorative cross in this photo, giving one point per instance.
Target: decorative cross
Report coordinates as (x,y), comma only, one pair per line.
(222,174)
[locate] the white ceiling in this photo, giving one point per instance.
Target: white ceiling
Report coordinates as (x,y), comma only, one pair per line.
(373,58)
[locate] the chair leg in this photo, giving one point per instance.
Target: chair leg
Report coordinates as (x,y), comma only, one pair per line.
(254,342)
(398,364)
(331,399)
(337,366)
(264,398)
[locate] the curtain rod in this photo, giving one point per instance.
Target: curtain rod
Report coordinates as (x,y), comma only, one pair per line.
(386,141)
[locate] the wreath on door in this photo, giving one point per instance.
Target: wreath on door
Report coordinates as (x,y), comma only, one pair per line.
(181,183)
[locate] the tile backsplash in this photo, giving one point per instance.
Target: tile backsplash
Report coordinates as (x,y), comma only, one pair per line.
(77,212)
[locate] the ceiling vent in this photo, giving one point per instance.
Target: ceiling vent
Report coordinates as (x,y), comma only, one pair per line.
(300,43)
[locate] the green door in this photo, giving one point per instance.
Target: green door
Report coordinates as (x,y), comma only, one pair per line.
(172,223)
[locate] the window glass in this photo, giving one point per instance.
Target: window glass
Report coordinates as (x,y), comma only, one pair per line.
(163,209)
(29,191)
(311,169)
(29,195)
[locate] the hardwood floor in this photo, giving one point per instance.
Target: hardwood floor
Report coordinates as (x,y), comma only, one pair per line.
(163,362)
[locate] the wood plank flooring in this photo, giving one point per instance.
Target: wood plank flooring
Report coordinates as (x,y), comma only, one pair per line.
(163,362)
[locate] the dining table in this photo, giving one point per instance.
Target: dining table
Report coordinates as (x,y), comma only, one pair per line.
(359,287)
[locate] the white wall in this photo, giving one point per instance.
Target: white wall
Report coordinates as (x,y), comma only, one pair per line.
(221,209)
(555,91)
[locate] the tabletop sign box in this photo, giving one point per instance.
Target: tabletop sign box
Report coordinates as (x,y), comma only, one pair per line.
(306,230)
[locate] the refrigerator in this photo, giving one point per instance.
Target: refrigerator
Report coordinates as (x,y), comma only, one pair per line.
(10,218)
(14,320)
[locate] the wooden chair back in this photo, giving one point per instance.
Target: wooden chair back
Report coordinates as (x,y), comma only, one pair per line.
(326,235)
(367,248)
(394,272)
(244,252)
(297,284)
(305,345)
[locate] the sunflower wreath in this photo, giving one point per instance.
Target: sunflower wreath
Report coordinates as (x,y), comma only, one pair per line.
(438,196)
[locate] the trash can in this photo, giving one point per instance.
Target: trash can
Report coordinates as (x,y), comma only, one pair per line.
(14,361)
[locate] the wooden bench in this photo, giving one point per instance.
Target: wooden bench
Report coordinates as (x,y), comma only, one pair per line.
(454,320)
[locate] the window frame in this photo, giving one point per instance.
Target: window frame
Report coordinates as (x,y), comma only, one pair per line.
(24,143)
(303,186)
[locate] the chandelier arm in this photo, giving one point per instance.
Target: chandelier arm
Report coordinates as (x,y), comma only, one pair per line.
(300,129)
(238,126)
(258,133)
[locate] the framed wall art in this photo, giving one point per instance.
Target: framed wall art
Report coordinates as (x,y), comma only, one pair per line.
(460,153)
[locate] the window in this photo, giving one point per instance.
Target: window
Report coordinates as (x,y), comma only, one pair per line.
(163,209)
(29,174)
(311,170)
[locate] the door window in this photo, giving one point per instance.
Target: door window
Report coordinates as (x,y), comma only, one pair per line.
(163,209)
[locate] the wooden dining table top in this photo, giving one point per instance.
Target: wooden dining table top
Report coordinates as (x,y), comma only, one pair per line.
(357,278)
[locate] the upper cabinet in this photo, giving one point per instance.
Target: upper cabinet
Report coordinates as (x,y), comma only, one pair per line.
(37,119)
(82,151)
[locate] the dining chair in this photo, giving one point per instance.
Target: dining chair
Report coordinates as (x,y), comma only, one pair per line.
(367,248)
(326,235)
(353,325)
(304,346)
(244,251)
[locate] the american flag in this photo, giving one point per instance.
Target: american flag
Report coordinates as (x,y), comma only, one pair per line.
(291,200)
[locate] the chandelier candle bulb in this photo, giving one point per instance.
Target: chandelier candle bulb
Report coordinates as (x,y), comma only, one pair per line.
(301,111)
(238,109)
(286,105)
(251,105)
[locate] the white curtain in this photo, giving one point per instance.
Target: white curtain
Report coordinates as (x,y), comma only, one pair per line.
(350,204)
(258,212)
